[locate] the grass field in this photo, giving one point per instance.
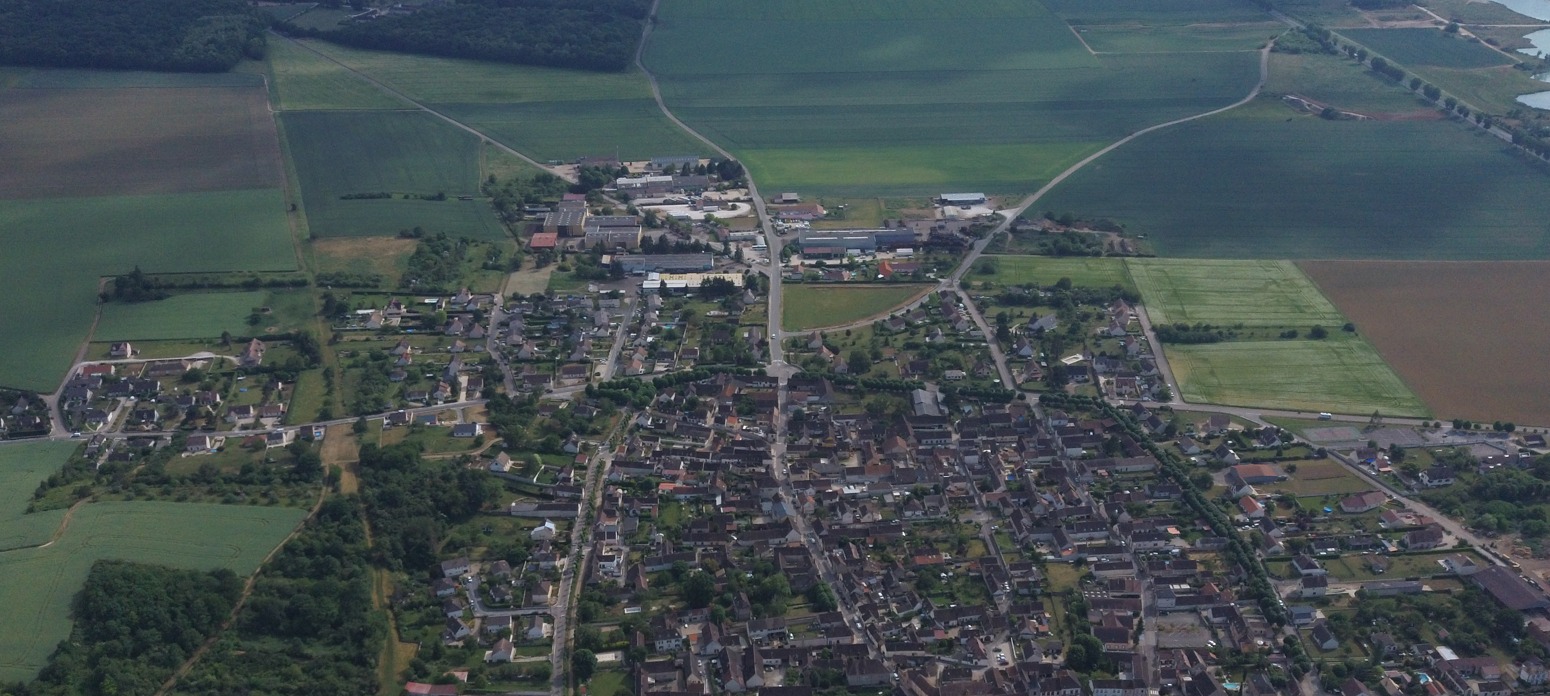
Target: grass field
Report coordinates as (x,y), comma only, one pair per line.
(1267,182)
(546,113)
(1336,82)
(203,315)
(1343,375)
(304,80)
(398,152)
(55,250)
(816,306)
(1046,270)
(1318,478)
(877,106)
(1417,47)
(22,466)
(92,142)
(1224,293)
(388,258)
(1470,337)
(37,585)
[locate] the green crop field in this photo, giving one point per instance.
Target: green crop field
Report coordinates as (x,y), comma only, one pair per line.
(1046,270)
(547,113)
(1418,47)
(305,80)
(412,153)
(202,315)
(1224,293)
(37,585)
(875,106)
(1339,374)
(56,249)
(22,466)
(1265,181)
(816,306)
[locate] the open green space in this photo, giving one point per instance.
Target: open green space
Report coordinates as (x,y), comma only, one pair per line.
(1047,270)
(22,466)
(547,113)
(305,80)
(1417,47)
(815,306)
(1317,478)
(402,153)
(1225,293)
(1339,374)
(1264,181)
(56,250)
(1133,38)
(1339,83)
(203,315)
(1155,12)
(875,105)
(37,585)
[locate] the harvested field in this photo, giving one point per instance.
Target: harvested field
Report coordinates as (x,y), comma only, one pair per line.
(1047,270)
(1470,338)
(816,306)
(94,142)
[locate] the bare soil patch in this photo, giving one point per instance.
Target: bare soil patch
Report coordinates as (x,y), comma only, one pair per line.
(1469,338)
(58,143)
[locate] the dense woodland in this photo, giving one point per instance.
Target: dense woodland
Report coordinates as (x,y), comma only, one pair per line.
(412,502)
(309,627)
(172,35)
(585,34)
(134,624)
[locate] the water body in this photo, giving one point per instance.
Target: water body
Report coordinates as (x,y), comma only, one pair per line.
(1540,10)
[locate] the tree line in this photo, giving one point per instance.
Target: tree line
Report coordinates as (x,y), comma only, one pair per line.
(590,35)
(170,35)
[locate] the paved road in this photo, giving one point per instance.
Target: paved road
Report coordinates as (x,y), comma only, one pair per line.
(613,353)
(1005,372)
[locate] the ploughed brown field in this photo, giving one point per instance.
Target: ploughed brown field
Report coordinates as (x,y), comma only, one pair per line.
(1469,338)
(61,143)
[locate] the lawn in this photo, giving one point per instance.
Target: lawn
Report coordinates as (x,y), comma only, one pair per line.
(1417,47)
(814,306)
(877,105)
(1487,364)
(403,153)
(1340,374)
(37,585)
(305,80)
(202,315)
(1318,478)
(547,113)
(56,250)
(1047,270)
(607,682)
(1265,181)
(1351,568)
(22,467)
(1225,293)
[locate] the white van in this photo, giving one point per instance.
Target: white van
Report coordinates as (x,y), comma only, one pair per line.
(1326,416)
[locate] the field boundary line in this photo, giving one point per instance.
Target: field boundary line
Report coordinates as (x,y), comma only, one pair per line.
(393,91)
